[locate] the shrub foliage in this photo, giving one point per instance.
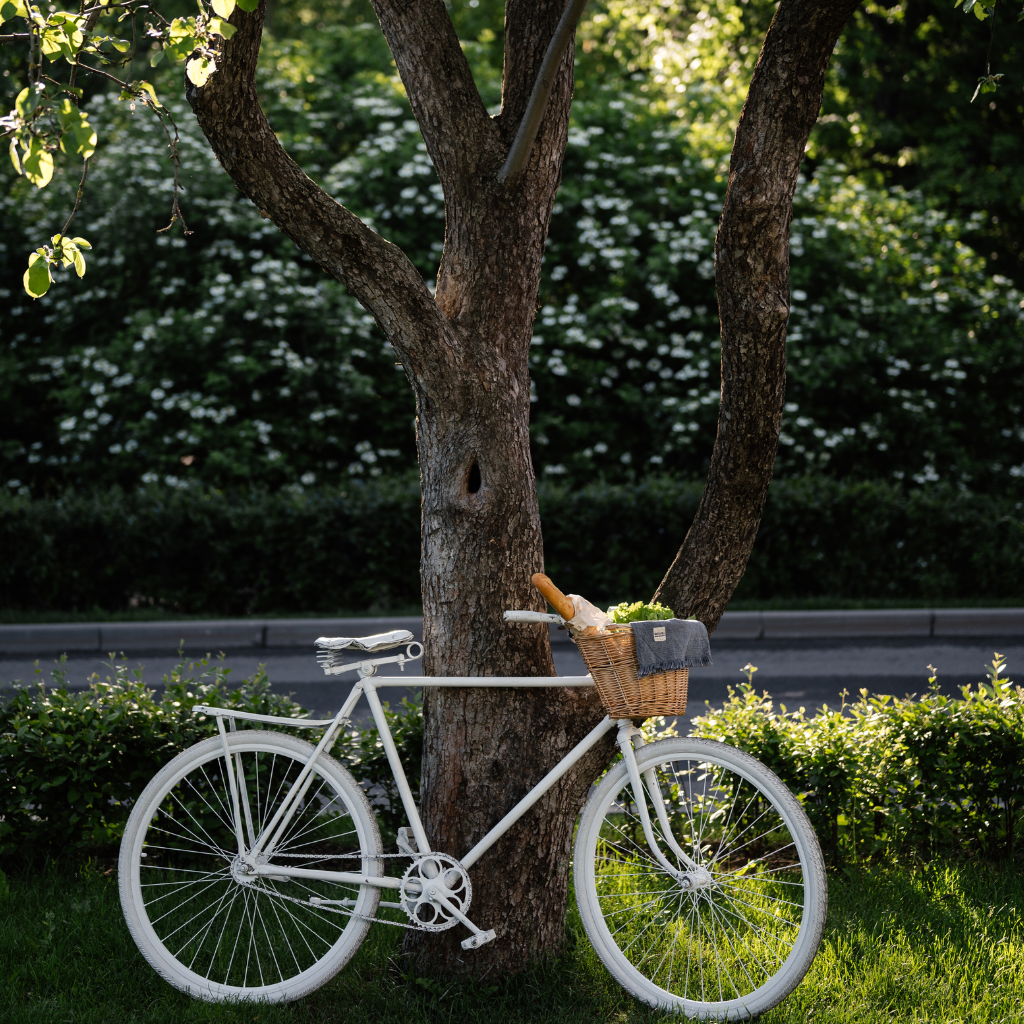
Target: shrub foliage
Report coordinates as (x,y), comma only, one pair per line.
(358,547)
(895,776)
(72,763)
(910,777)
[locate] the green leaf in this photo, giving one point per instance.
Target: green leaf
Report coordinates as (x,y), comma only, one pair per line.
(223,8)
(248,5)
(37,164)
(181,38)
(155,57)
(10,9)
(37,278)
(218,26)
(82,243)
(79,261)
(26,103)
(84,141)
(149,91)
(199,70)
(14,156)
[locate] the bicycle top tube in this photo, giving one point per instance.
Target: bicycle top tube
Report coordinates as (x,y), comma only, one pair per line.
(480,681)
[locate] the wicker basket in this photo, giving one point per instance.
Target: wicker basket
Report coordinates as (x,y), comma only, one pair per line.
(611,658)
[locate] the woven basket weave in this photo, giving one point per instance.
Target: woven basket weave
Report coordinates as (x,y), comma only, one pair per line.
(611,658)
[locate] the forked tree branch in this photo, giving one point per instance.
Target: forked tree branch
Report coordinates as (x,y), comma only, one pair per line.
(459,134)
(752,279)
(374,271)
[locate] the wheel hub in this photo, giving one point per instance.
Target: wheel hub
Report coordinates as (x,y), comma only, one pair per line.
(429,877)
(698,878)
(243,873)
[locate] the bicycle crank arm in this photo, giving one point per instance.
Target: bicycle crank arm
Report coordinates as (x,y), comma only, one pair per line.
(479,937)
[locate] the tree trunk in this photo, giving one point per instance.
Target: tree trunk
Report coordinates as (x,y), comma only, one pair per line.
(752,279)
(466,357)
(465,354)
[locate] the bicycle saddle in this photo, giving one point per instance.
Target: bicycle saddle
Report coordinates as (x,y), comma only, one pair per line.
(377,642)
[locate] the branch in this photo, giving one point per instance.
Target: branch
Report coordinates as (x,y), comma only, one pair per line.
(523,144)
(377,273)
(457,130)
(752,278)
(78,198)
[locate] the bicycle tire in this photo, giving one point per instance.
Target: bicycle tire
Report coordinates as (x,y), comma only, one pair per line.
(744,939)
(215,935)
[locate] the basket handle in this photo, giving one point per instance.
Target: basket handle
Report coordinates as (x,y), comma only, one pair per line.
(554,596)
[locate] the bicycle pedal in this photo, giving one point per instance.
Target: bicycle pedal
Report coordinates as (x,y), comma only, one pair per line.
(478,940)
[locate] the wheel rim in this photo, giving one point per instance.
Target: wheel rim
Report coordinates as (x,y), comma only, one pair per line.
(232,934)
(722,945)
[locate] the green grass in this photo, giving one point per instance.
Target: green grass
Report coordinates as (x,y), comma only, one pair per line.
(940,944)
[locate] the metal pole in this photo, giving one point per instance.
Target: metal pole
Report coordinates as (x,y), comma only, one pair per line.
(523,144)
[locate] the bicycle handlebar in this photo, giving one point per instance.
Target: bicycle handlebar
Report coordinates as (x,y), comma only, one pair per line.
(513,616)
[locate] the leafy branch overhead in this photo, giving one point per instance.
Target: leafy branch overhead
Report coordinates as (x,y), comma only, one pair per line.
(47,118)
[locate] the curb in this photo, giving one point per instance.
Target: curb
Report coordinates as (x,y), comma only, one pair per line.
(240,634)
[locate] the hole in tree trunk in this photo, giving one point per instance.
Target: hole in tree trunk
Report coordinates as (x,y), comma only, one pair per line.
(473,481)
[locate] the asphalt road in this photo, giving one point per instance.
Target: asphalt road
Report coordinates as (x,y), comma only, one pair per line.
(796,672)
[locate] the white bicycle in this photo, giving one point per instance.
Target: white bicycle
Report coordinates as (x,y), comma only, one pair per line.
(252,867)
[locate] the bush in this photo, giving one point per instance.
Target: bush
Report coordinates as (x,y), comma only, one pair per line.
(195,552)
(886,777)
(73,763)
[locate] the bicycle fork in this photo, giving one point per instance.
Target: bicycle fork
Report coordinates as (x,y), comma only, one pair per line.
(695,876)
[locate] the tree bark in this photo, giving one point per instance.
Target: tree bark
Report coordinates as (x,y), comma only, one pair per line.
(752,279)
(465,354)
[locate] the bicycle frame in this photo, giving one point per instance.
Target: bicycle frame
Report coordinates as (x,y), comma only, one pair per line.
(259,850)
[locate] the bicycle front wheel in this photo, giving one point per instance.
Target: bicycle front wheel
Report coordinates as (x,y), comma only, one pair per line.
(201,922)
(729,935)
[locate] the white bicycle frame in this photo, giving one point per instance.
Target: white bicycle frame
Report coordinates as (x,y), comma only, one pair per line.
(258,851)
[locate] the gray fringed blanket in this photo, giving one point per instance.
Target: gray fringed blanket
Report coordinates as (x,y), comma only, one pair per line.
(668,644)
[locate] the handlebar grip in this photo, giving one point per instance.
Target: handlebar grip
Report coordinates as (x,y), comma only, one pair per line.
(554,596)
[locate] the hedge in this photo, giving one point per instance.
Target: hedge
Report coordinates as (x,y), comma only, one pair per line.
(890,777)
(208,552)
(72,763)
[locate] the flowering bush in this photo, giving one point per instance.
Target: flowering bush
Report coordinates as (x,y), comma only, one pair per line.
(227,359)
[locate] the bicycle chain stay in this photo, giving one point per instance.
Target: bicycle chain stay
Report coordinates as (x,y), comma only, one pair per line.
(342,910)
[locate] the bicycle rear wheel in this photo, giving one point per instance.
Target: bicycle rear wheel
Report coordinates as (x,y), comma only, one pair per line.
(722,943)
(205,926)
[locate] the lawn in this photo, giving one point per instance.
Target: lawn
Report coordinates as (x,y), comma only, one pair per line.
(939,943)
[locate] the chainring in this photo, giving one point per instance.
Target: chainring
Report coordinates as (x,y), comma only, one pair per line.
(435,874)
